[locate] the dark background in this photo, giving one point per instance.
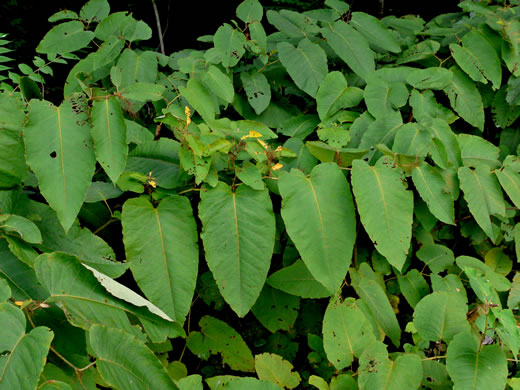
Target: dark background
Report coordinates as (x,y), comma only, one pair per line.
(184,21)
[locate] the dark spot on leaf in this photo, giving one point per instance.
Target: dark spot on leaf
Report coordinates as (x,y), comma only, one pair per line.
(53,154)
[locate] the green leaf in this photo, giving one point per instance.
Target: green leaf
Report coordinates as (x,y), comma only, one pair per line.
(465,99)
(437,257)
(382,97)
(385,208)
(351,47)
(84,299)
(63,15)
(23,354)
(219,83)
(447,149)
(378,372)
(228,382)
(12,162)
(59,151)
(275,309)
(257,90)
(143,92)
(216,336)
(297,280)
(19,276)
(251,176)
(122,292)
(125,362)
(230,44)
(413,286)
(431,185)
(273,368)
(91,249)
(159,157)
(430,78)
(65,38)
(425,107)
(484,196)
(346,333)
(109,135)
(122,26)
(375,297)
(22,227)
(476,151)
(334,95)
(238,230)
(326,239)
(137,68)
(5,290)
(95,10)
(478,58)
(161,246)
(249,11)
(510,182)
(199,98)
(514,294)
(306,64)
(99,191)
(503,114)
(440,316)
(374,31)
(474,366)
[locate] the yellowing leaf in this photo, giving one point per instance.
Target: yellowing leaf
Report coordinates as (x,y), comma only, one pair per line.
(252,134)
(277,166)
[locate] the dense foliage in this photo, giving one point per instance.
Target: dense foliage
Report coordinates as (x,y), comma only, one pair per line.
(332,203)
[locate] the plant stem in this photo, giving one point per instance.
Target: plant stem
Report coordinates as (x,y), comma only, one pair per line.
(159,29)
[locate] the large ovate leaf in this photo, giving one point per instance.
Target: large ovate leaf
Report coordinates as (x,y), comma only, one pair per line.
(413,286)
(199,98)
(430,78)
(325,241)
(484,196)
(385,208)
(219,83)
(346,333)
(465,99)
(109,135)
(273,368)
(297,280)
(161,246)
(476,367)
(238,229)
(230,44)
(440,316)
(59,151)
(125,362)
(275,309)
(23,354)
(351,47)
(478,58)
(257,90)
(510,181)
(216,336)
(378,372)
(375,31)
(431,187)
(334,95)
(371,292)
(306,64)
(65,38)
(83,297)
(12,163)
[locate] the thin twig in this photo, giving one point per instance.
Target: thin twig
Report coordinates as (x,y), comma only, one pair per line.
(159,29)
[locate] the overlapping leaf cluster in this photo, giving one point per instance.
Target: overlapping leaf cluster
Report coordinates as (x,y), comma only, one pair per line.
(353,183)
